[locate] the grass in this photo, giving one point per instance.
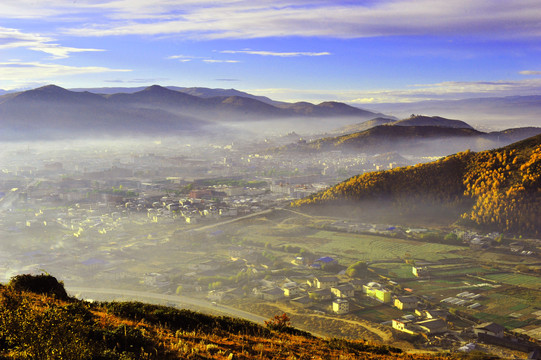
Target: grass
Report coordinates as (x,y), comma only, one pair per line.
(367,247)
(443,271)
(528,281)
(400,270)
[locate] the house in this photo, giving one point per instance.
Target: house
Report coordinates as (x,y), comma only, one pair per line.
(201,194)
(489,328)
(272,294)
(371,286)
(343,291)
(406,302)
(377,292)
(516,247)
(435,314)
(381,295)
(325,260)
(321,294)
(420,271)
(432,326)
(340,306)
(325,282)
(405,326)
(291,291)
(480,243)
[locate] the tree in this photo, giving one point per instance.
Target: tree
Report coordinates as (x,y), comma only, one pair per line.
(39,284)
(278,322)
(451,238)
(357,270)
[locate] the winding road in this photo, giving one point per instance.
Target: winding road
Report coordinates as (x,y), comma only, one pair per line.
(161,299)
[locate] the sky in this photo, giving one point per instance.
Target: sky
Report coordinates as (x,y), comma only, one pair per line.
(359,52)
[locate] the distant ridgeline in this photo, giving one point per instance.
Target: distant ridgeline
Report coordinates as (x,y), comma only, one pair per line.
(496,189)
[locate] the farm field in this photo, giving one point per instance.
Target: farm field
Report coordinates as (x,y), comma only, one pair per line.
(507,297)
(533,282)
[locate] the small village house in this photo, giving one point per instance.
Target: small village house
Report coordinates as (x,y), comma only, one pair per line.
(406,302)
(489,328)
(343,291)
(325,282)
(340,306)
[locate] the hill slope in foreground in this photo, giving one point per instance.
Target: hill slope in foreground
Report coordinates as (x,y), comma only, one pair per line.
(39,321)
(496,189)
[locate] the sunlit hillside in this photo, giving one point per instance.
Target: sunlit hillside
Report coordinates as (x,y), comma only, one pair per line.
(497,189)
(38,321)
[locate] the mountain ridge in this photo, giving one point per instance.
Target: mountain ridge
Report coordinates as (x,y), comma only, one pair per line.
(54,112)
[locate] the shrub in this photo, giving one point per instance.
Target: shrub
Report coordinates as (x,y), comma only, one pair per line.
(39,284)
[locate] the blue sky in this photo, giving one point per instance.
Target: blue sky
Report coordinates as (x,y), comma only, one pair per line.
(359,52)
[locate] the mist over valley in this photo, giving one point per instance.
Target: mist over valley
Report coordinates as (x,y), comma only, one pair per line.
(183,200)
(270,180)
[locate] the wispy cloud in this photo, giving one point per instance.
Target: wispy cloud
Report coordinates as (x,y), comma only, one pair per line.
(212,61)
(188,58)
(247,19)
(273,53)
(135,81)
(450,90)
(182,58)
(530,72)
(17,72)
(14,38)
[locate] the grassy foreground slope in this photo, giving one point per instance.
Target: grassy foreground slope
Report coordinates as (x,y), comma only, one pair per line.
(39,321)
(497,189)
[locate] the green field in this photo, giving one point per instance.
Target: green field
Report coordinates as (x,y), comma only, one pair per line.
(464,270)
(510,300)
(528,281)
(397,270)
(370,248)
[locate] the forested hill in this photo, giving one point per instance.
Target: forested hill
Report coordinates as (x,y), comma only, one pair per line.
(497,189)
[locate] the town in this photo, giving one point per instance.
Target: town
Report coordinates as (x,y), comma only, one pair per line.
(214,223)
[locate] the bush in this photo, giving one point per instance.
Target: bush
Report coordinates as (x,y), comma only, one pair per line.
(39,284)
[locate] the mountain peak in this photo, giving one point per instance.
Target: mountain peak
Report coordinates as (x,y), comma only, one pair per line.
(423,120)
(51,88)
(157,88)
(48,93)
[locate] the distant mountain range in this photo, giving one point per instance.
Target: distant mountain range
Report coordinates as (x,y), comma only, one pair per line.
(54,112)
(416,135)
(413,120)
(195,91)
(493,112)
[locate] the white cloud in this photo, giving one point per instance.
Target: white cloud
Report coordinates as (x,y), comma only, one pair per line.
(187,58)
(14,38)
(272,53)
(211,61)
(248,19)
(182,58)
(17,72)
(450,90)
(530,72)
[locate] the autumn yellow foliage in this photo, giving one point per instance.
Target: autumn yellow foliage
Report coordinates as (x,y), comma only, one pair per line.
(500,188)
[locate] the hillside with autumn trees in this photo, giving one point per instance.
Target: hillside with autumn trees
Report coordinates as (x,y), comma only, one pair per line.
(497,189)
(38,320)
